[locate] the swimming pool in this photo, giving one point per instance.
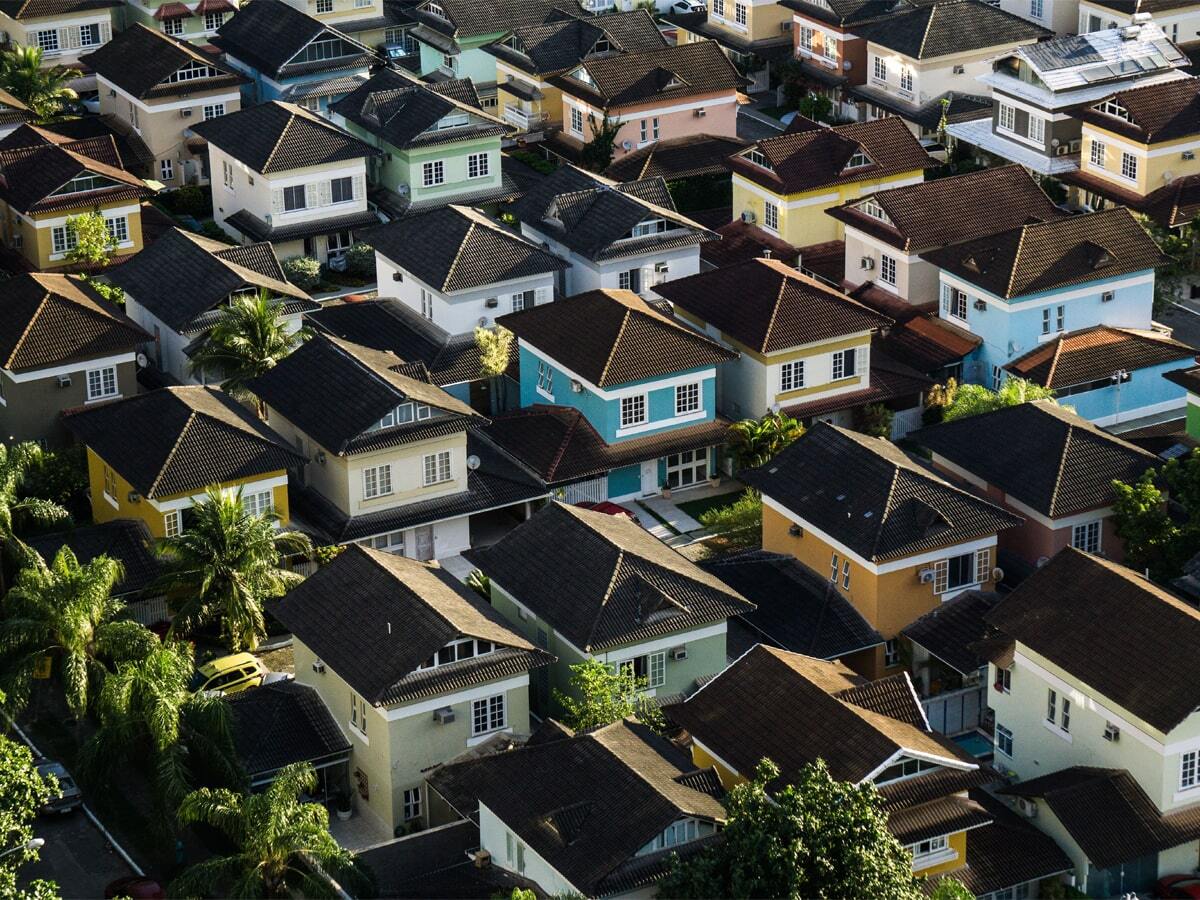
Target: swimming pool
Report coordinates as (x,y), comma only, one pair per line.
(974,743)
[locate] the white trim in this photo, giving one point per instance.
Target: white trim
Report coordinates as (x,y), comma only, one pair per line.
(1139,150)
(108,213)
(480,692)
(644,113)
(1032,109)
(1054,729)
(476,740)
(922,863)
(72,368)
(192,102)
(358,732)
(732,769)
(1044,297)
(544,393)
(166,506)
(947,761)
(631,391)
(661,423)
(665,643)
(1137,412)
(884,247)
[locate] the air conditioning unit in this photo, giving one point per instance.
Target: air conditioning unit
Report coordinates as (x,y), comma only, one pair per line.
(1111,732)
(679,654)
(443,716)
(491,302)
(1107,296)
(1027,807)
(626,145)
(699,113)
(185,114)
(1075,145)
(661,268)
(318,667)
(926,576)
(576,386)
(748,217)
(981,304)
(997,574)
(1062,150)
(397,276)
(64,381)
(866,263)
(785,26)
(1188,154)
(959,70)
(523,614)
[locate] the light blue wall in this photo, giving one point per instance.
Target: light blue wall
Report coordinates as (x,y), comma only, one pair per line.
(260,90)
(1145,388)
(626,480)
(473,63)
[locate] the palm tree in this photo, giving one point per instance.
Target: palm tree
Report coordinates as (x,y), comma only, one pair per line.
(754,442)
(43,88)
(277,839)
(225,564)
(65,612)
(15,463)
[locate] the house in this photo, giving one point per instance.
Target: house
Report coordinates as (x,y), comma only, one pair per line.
(44,185)
(415,668)
(62,346)
(649,95)
(386,455)
(625,236)
(630,601)
(697,156)
(595,814)
(794,710)
(291,56)
(1105,766)
(289,177)
(886,230)
(1179,19)
(1035,89)
(382,24)
(460,269)
(1189,380)
(152,456)
(197,22)
(659,406)
(1048,465)
(531,54)
(897,539)
(13,113)
(752,34)
(63,31)
(802,347)
(785,183)
(172,87)
(435,148)
(178,287)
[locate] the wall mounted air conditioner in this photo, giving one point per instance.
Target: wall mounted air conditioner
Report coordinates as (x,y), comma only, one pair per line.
(1075,145)
(64,381)
(1188,154)
(748,217)
(318,667)
(1027,807)
(1111,732)
(679,654)
(1062,150)
(185,114)
(959,70)
(699,113)
(926,576)
(866,263)
(443,716)
(491,302)
(576,386)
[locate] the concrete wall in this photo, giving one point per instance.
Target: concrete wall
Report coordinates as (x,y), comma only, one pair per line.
(32,236)
(67,25)
(675,119)
(916,279)
(30,406)
(1154,163)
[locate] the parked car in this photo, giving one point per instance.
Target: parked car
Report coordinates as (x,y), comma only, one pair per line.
(686,7)
(609,509)
(69,796)
(1187,886)
(229,674)
(135,888)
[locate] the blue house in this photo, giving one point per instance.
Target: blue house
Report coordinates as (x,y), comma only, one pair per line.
(1067,303)
(617,400)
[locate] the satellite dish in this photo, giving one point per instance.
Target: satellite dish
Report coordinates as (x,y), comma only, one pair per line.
(626,145)
(483,321)
(142,361)
(472,462)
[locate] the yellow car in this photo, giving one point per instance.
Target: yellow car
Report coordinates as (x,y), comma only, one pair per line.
(229,674)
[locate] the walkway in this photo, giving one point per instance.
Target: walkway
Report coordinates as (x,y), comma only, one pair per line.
(671,514)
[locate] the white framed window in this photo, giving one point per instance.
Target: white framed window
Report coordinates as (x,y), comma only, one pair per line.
(412,804)
(887,269)
(997,377)
(846,573)
(545,381)
(891,652)
(929,847)
(833,569)
(324,6)
(47,40)
(1003,680)
(844,363)
(633,410)
(358,714)
(1037,129)
(294,198)
(118,229)
(1004,740)
(718,8)
(1007,117)
(739,14)
(110,485)
(1129,166)
(1187,769)
(1052,705)
(1096,154)
(687,398)
(172,523)
(806,37)
(523,300)
(651,668)
(983,565)
(173,27)
(102,383)
(377,481)
(906,79)
(436,467)
(392,542)
(643,131)
(227,174)
(1086,536)
(63,239)
(213,20)
(771,215)
(881,68)
(1065,721)
(478,165)
(433,173)
(1060,318)
(257,503)
(791,375)
(488,714)
(1046,320)
(962,570)
(213,110)
(577,121)
(1035,9)
(630,280)
(89,35)
(829,48)
(426,304)
(192,71)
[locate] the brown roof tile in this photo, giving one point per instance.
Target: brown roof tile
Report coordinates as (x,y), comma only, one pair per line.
(673,72)
(741,241)
(1158,112)
(1078,357)
(681,157)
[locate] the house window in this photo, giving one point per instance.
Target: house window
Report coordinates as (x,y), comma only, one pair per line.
(718,8)
(341,190)
(227,173)
(891,652)
(1037,129)
(324,6)
(477,165)
(648,227)
(436,467)
(833,569)
(771,215)
(213,110)
(1004,740)
(1035,9)
(1097,154)
(887,269)
(739,13)
(1060,318)
(791,376)
(293,198)
(806,37)
(89,35)
(166,169)
(906,79)
(757,157)
(829,48)
(843,363)
(257,503)
(213,21)
(377,481)
(577,121)
(118,229)
(1086,537)
(633,410)
(687,468)
(63,239)
(48,40)
(488,715)
(1003,680)
(358,714)
(929,847)
(412,804)
(426,304)
(643,131)
(845,573)
(192,71)
(957,572)
(1129,166)
(433,173)
(102,383)
(392,542)
(545,380)
(1187,769)
(1051,705)
(1066,715)
(881,68)
(630,280)
(110,484)
(651,669)
(687,398)
(983,565)
(523,300)
(997,377)
(1046,320)
(172,523)
(1007,118)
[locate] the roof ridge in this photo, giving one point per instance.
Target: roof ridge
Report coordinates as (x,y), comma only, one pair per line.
(1012,276)
(279,140)
(29,326)
(1062,465)
(612,583)
(616,341)
(1054,356)
(174,449)
(566,442)
(458,255)
(887,507)
(933,11)
(783,283)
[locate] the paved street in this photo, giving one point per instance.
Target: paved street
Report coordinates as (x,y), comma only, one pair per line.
(76,856)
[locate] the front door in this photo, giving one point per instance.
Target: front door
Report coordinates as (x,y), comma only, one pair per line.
(650,477)
(687,468)
(424,542)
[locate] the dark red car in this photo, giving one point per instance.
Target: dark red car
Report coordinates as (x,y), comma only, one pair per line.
(1186,886)
(609,509)
(136,888)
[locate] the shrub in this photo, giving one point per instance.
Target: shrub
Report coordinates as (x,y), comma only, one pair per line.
(302,271)
(360,260)
(112,293)
(326,554)
(189,200)
(60,475)
(876,420)
(211,229)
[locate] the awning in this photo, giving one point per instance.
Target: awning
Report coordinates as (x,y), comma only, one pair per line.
(214,6)
(519,90)
(172,11)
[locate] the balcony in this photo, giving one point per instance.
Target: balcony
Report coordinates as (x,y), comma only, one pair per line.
(526,121)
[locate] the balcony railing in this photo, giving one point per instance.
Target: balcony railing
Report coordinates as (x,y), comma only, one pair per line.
(526,121)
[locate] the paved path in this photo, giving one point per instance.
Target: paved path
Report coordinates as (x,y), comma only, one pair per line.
(671,514)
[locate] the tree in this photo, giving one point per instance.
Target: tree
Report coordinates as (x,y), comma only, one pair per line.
(817,107)
(755,442)
(600,696)
(16,464)
(249,339)
(816,838)
(94,243)
(225,564)
(875,420)
(276,839)
(23,791)
(597,154)
(42,88)
(957,401)
(1154,538)
(494,345)
(740,523)
(65,613)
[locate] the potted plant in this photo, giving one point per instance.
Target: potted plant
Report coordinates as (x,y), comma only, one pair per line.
(714,480)
(344,806)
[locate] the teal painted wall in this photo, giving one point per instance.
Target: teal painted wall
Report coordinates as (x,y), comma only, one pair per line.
(626,480)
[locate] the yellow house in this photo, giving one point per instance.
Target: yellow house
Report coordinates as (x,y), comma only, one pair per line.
(784,184)
(153,456)
(894,539)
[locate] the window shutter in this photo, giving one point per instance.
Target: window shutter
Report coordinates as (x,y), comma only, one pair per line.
(324,194)
(983,565)
(539,295)
(312,195)
(105,32)
(941,576)
(360,187)
(945,298)
(277,200)
(862,360)
(64,37)
(73,37)
(647,277)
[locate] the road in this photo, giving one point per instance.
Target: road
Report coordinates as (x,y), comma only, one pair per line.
(76,856)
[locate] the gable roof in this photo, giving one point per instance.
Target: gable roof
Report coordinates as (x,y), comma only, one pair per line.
(625,338)
(768,306)
(1157,112)
(467,19)
(956,631)
(13,109)
(1042,454)
(284,722)
(1093,354)
(671,72)
(1078,602)
(548,48)
(48,320)
(374,618)
(869,496)
(179,440)
(930,30)
(29,176)
(625,586)
(132,154)
(23,10)
(268,36)
(680,157)
(139,60)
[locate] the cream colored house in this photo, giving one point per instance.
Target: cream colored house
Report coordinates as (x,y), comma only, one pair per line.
(63,31)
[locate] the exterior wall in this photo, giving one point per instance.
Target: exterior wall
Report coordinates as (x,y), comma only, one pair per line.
(1181,24)
(681,119)
(528,114)
(471,63)
(1156,164)
(1146,393)
(494,836)
(832,48)
(195,28)
(32,235)
(916,279)
(1061,16)
(30,406)
(25,32)
(262,88)
(764,19)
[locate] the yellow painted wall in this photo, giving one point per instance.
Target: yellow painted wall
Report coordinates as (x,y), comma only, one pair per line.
(1150,168)
(762,22)
(958,842)
(551,104)
(39,243)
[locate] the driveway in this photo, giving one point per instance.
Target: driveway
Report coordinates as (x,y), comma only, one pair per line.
(76,856)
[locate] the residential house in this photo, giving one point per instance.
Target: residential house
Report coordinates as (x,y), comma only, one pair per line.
(1037,293)
(630,601)
(1036,88)
(699,156)
(63,30)
(171,87)
(626,236)
(460,269)
(13,113)
(414,667)
(62,346)
(1048,465)
(152,456)
(291,56)
(649,95)
(651,417)
(290,177)
(1189,380)
(382,24)
(795,710)
(180,286)
(784,184)
(1179,19)
(435,148)
(897,539)
(386,458)
(44,185)
(802,347)
(752,34)
(531,54)
(195,22)
(596,814)
(1106,766)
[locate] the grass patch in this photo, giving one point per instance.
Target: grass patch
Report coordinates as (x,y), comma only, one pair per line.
(697,508)
(659,519)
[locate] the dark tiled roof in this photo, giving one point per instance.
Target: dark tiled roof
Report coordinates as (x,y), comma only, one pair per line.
(466,19)
(1079,357)
(455,248)
(845,12)
(279,137)
(951,210)
(585,804)
(740,241)
(890,380)
(1042,256)
(681,157)
(869,496)
(49,320)
(269,35)
(335,391)
(374,618)
(669,73)
(954,26)
(125,540)
(1189,379)
(1077,602)
(626,339)
(626,585)
(910,792)
(30,175)
(1041,454)
(949,631)
(139,60)
(798,610)
(1158,112)
(282,723)
(768,306)
(552,47)
(254,228)
(180,440)
(23,10)
(927,343)
(944,815)
(1174,204)
(806,159)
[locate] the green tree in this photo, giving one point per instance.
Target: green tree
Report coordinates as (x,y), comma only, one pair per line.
(597,154)
(276,837)
(65,614)
(494,345)
(950,889)
(1155,539)
(755,442)
(740,523)
(817,107)
(94,243)
(23,791)
(875,420)
(44,89)
(816,838)
(600,696)
(17,463)
(973,399)
(225,565)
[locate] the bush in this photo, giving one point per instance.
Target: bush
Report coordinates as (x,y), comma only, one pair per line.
(211,229)
(112,293)
(60,475)
(535,162)
(302,271)
(876,420)
(326,554)
(360,260)
(189,200)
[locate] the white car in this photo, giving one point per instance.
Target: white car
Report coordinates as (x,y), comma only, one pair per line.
(687,7)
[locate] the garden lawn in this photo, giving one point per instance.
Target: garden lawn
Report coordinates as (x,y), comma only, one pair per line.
(696,508)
